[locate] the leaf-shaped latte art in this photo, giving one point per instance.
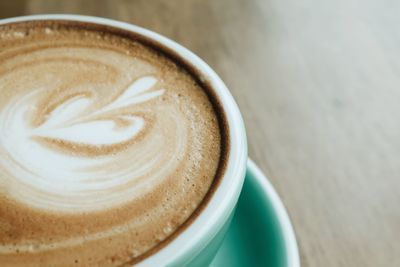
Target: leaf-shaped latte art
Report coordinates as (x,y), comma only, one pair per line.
(69,142)
(66,123)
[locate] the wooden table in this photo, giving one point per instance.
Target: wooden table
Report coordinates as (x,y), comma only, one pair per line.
(318,84)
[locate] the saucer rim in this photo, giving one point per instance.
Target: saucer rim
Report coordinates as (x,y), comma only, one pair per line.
(289,237)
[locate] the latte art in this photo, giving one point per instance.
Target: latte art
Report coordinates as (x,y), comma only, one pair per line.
(107,147)
(80,138)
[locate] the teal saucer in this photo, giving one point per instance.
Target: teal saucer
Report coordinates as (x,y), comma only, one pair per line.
(261,233)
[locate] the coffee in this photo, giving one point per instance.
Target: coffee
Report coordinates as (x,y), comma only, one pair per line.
(109,145)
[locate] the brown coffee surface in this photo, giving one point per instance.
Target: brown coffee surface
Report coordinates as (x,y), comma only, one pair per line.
(107,146)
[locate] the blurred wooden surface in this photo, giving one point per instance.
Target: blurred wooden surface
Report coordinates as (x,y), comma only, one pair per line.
(318,83)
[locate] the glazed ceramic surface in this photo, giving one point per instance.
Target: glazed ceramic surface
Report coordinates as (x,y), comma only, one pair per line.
(261,233)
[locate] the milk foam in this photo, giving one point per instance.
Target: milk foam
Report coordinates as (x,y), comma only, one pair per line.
(55,175)
(106,147)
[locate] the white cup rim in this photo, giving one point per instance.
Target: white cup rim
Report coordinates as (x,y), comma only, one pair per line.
(218,209)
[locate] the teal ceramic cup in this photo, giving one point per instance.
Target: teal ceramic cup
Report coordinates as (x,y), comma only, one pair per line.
(198,243)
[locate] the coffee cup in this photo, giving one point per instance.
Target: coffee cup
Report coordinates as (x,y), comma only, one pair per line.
(195,239)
